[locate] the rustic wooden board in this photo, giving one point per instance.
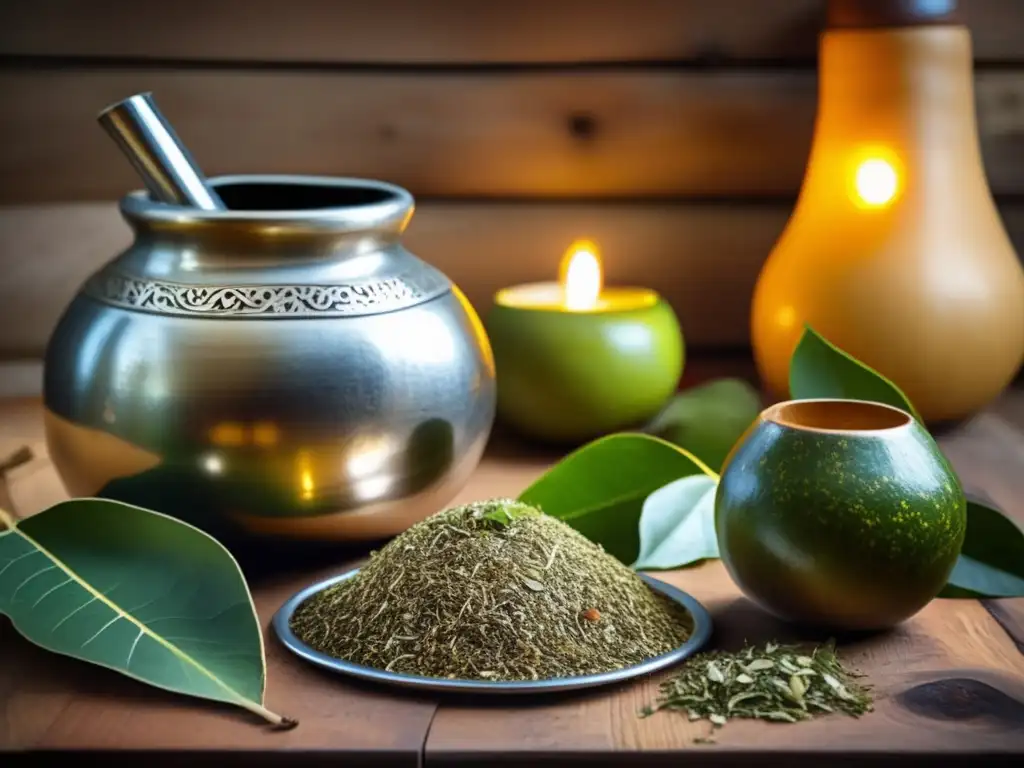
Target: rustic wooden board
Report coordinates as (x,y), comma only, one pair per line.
(450,31)
(566,133)
(608,133)
(58,703)
(950,660)
(950,681)
(54,703)
(704,258)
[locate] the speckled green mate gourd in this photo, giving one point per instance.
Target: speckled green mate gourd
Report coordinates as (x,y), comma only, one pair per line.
(839,513)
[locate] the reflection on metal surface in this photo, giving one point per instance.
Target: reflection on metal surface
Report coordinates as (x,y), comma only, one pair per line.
(227,433)
(212,464)
(479,332)
(150,143)
(426,343)
(307,426)
(91,458)
(232,433)
(306,484)
(264,434)
(368,455)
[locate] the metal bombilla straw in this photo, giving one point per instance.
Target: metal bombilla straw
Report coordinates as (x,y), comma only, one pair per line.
(153,148)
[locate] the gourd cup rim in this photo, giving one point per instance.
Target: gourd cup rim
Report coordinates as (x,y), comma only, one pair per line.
(838,416)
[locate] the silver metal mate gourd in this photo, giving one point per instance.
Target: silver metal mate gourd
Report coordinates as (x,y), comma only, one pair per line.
(265,360)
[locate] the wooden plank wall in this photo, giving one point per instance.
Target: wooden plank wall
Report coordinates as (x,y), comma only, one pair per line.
(673,132)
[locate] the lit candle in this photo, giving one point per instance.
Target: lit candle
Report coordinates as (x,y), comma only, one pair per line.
(576,359)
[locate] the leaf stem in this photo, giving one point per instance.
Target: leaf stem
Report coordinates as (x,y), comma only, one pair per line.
(280,723)
(6,518)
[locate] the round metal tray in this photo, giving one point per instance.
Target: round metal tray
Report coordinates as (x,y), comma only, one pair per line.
(701,634)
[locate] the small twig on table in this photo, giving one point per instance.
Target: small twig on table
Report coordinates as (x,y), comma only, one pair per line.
(21,456)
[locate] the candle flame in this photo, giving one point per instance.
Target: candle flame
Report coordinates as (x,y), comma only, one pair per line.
(581,276)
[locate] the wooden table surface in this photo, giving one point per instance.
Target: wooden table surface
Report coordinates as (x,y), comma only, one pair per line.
(949,682)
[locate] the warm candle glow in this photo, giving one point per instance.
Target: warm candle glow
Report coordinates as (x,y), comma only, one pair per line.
(579,289)
(876,182)
(307,486)
(581,276)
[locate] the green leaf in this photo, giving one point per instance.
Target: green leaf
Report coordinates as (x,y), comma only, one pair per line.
(819,369)
(991,562)
(506,513)
(600,489)
(677,524)
(707,420)
(137,592)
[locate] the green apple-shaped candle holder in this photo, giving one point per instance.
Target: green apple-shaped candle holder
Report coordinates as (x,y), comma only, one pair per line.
(576,360)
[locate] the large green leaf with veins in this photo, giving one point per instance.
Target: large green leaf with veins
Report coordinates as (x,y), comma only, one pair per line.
(600,489)
(137,592)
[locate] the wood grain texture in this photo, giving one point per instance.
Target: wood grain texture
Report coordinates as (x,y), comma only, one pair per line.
(409,31)
(450,31)
(56,703)
(611,133)
(105,711)
(26,723)
(110,712)
(949,640)
(949,682)
(1010,615)
(504,134)
(703,259)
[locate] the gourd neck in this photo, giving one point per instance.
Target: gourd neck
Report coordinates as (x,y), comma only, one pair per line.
(902,95)
(898,85)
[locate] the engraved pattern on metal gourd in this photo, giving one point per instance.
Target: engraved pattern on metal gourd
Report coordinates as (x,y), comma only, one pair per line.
(365,298)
